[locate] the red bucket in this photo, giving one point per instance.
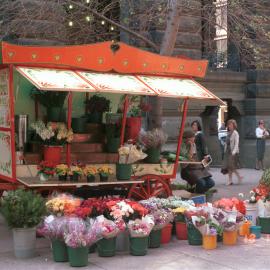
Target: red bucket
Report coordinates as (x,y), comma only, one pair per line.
(133,128)
(181,231)
(52,154)
(166,234)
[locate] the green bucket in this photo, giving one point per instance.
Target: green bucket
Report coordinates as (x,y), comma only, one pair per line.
(92,248)
(106,247)
(153,155)
(154,239)
(264,222)
(194,236)
(56,114)
(78,124)
(123,171)
(59,251)
(113,145)
(78,257)
(138,246)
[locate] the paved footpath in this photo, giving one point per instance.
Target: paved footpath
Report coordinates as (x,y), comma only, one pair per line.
(174,256)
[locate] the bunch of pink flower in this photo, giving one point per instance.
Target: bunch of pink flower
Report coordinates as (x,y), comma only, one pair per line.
(109,228)
(141,227)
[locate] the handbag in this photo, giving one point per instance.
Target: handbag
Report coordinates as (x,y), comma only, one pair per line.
(224,171)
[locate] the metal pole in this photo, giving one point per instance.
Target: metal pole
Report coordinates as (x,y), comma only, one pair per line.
(68,153)
(180,136)
(124,120)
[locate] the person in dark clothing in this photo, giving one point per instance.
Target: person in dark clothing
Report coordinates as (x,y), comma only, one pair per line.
(194,174)
(201,147)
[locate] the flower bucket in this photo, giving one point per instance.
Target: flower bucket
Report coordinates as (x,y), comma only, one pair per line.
(194,236)
(154,239)
(122,241)
(95,117)
(62,178)
(106,247)
(74,177)
(43,177)
(78,257)
(138,246)
(103,177)
(244,229)
(24,242)
(133,128)
(230,238)
(52,154)
(59,251)
(91,178)
(78,125)
(56,114)
(252,212)
(123,171)
(92,248)
(256,230)
(181,230)
(209,242)
(166,234)
(264,222)
(113,145)
(153,155)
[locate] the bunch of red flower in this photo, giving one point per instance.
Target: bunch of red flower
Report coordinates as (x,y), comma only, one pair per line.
(138,208)
(145,107)
(261,192)
(229,204)
(46,167)
(83,212)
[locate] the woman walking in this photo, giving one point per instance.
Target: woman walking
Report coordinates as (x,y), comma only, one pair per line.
(231,150)
(261,134)
(201,147)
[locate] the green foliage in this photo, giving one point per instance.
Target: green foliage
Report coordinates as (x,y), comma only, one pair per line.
(97,103)
(49,98)
(22,209)
(265,180)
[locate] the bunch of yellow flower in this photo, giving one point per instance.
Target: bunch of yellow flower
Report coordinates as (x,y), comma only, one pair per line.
(90,170)
(75,170)
(64,133)
(105,170)
(62,205)
(179,210)
(61,169)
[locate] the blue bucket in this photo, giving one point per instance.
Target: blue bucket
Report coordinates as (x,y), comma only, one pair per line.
(256,230)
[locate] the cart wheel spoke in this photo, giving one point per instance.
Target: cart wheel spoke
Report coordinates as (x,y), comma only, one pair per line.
(143,190)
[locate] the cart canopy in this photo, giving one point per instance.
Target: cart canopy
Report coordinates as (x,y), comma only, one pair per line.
(108,67)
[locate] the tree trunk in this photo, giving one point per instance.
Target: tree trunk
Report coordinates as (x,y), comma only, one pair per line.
(167,47)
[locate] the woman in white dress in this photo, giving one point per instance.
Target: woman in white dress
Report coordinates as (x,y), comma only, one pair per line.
(261,134)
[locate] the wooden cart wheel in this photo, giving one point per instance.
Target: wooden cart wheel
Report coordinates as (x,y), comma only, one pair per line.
(153,186)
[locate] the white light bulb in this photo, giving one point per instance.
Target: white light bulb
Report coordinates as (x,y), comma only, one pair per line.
(102,22)
(87,1)
(70,6)
(112,28)
(88,18)
(70,23)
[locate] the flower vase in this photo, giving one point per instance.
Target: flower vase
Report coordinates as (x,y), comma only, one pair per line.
(106,247)
(74,177)
(138,246)
(52,154)
(43,177)
(78,257)
(123,171)
(209,242)
(62,178)
(59,251)
(155,238)
(103,177)
(153,155)
(166,234)
(91,178)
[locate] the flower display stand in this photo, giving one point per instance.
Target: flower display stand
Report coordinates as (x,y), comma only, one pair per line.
(106,247)
(155,239)
(138,246)
(59,251)
(78,257)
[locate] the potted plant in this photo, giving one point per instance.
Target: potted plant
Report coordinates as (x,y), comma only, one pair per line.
(46,169)
(153,141)
(128,154)
(62,172)
(53,136)
(104,173)
(113,133)
(23,211)
(75,172)
(53,101)
(90,173)
(95,107)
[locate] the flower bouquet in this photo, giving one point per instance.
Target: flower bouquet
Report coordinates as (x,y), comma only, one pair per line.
(62,172)
(104,173)
(75,172)
(230,204)
(90,172)
(261,192)
(46,169)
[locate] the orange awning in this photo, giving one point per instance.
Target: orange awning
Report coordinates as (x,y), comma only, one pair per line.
(80,81)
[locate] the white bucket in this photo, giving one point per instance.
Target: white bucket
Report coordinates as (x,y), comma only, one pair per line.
(24,242)
(252,212)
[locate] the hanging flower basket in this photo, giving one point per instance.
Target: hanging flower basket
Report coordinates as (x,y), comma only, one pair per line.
(78,257)
(106,247)
(138,246)
(59,251)
(155,239)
